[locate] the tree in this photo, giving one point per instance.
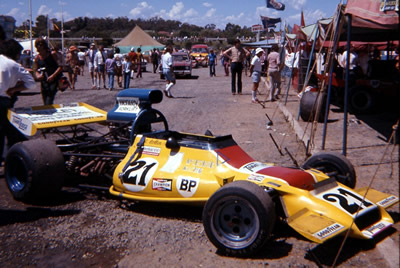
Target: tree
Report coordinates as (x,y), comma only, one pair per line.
(210,27)
(41,25)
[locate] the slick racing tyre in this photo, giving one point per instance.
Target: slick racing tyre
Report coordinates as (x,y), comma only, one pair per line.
(239,218)
(33,169)
(334,165)
(312,103)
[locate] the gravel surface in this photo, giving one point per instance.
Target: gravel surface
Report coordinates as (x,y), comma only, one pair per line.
(88,228)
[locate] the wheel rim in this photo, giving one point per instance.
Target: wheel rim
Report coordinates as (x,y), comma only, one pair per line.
(235,223)
(16,173)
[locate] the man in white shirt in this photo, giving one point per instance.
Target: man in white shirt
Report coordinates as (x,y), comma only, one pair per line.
(13,79)
(168,72)
(90,54)
(353,61)
(353,64)
(82,60)
(255,73)
(99,66)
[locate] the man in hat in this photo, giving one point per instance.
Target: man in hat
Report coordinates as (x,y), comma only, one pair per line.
(255,73)
(73,61)
(90,54)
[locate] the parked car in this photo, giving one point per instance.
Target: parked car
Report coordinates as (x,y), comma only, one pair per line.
(200,53)
(182,64)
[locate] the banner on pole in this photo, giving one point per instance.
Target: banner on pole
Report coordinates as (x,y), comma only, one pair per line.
(269,22)
(275,5)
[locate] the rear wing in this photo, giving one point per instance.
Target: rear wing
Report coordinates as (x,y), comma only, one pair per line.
(29,120)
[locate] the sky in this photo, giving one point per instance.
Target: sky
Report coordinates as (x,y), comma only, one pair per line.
(197,12)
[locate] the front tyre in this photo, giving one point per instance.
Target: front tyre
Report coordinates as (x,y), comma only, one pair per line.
(334,165)
(239,218)
(34,169)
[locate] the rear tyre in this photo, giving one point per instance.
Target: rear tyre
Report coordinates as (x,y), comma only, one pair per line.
(334,165)
(239,218)
(33,169)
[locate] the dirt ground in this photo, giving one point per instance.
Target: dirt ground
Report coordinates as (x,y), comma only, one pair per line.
(88,228)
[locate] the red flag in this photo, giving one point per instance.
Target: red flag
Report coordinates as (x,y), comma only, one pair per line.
(302,23)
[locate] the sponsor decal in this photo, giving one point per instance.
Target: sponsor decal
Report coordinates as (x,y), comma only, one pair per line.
(187,186)
(128,105)
(257,178)
(21,123)
(199,163)
(151,150)
(328,231)
(388,201)
(155,142)
(63,114)
(376,228)
(137,176)
(162,185)
(254,166)
(197,166)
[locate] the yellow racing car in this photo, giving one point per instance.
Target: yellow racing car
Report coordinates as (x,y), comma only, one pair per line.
(140,159)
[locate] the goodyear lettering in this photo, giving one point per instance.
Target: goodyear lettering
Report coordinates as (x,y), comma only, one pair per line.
(328,231)
(387,201)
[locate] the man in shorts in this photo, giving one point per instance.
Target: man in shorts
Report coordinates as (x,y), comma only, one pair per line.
(82,60)
(99,66)
(255,73)
(90,54)
(168,72)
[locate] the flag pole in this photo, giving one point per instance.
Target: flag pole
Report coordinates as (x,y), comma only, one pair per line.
(48,31)
(62,32)
(30,27)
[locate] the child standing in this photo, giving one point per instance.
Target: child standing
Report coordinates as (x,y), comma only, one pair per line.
(126,70)
(110,69)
